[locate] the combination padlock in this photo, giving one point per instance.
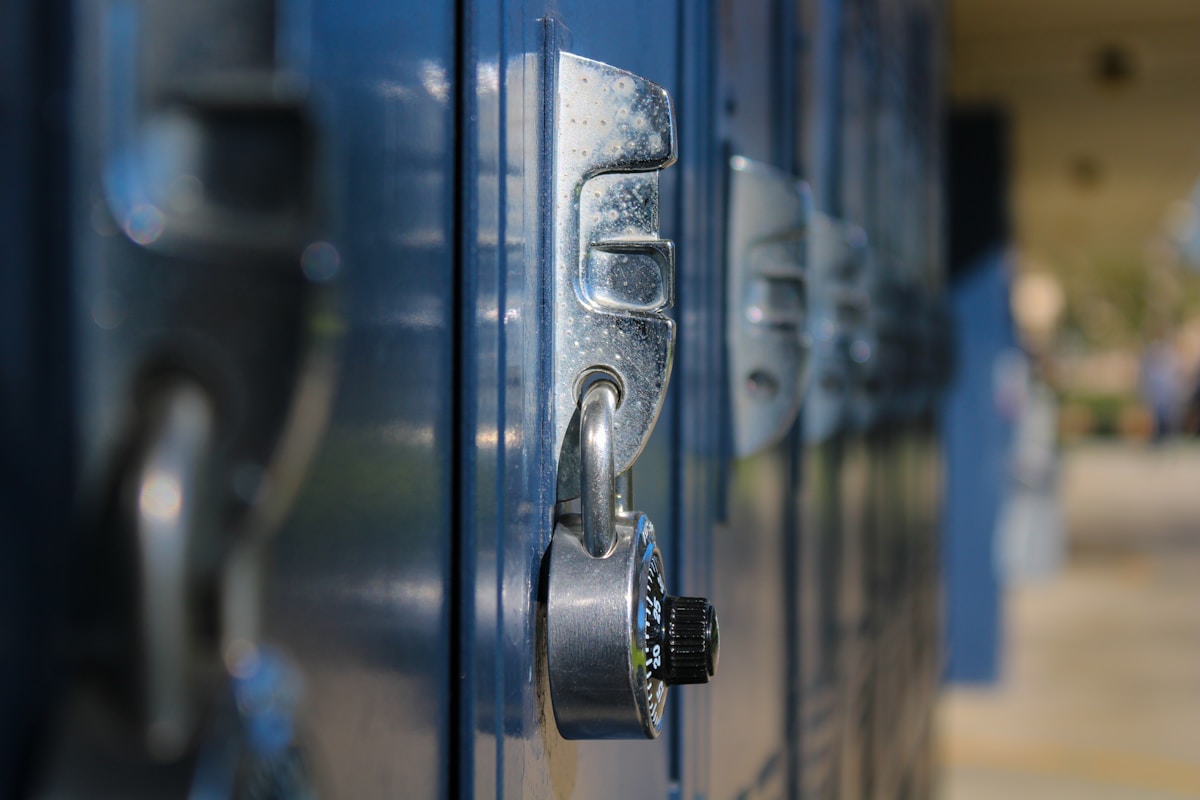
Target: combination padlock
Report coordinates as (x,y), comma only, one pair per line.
(616,638)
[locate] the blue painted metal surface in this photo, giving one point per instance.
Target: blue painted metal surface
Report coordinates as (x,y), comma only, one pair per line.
(978,441)
(362,575)
(407,584)
(754,705)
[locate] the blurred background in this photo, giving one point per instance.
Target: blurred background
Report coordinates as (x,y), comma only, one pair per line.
(1074,629)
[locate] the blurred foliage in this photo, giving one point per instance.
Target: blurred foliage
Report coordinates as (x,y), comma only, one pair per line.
(1120,300)
(1105,302)
(1103,411)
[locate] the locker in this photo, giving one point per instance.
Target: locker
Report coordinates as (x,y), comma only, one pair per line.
(333,269)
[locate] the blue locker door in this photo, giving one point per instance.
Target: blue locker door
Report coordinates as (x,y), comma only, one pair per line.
(361,579)
(509,745)
(852,200)
(754,725)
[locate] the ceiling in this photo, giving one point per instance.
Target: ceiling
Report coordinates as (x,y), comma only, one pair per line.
(1104,100)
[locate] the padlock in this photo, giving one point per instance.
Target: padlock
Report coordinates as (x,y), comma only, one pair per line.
(616,639)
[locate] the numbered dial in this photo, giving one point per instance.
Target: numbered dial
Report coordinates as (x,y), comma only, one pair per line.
(652,614)
(651,625)
(682,636)
(679,634)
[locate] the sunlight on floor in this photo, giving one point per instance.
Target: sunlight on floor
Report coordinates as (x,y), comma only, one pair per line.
(1100,696)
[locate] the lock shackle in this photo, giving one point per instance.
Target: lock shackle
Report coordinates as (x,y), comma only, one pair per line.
(597,467)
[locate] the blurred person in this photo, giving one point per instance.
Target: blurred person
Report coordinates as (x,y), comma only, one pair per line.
(1031,530)
(1190,416)
(1158,383)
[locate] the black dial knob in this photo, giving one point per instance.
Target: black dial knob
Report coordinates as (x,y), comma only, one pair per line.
(690,641)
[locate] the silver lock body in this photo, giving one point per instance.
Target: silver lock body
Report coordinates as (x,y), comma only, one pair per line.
(615,639)
(596,632)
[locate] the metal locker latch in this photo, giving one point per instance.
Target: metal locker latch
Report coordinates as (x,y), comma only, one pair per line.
(166,508)
(769,339)
(839,308)
(208,391)
(876,351)
(615,638)
(612,276)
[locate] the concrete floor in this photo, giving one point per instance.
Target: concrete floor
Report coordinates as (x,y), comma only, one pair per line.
(1101,691)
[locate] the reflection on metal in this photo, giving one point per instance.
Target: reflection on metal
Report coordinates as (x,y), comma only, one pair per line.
(168,508)
(768,302)
(612,276)
(252,752)
(597,473)
(615,639)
